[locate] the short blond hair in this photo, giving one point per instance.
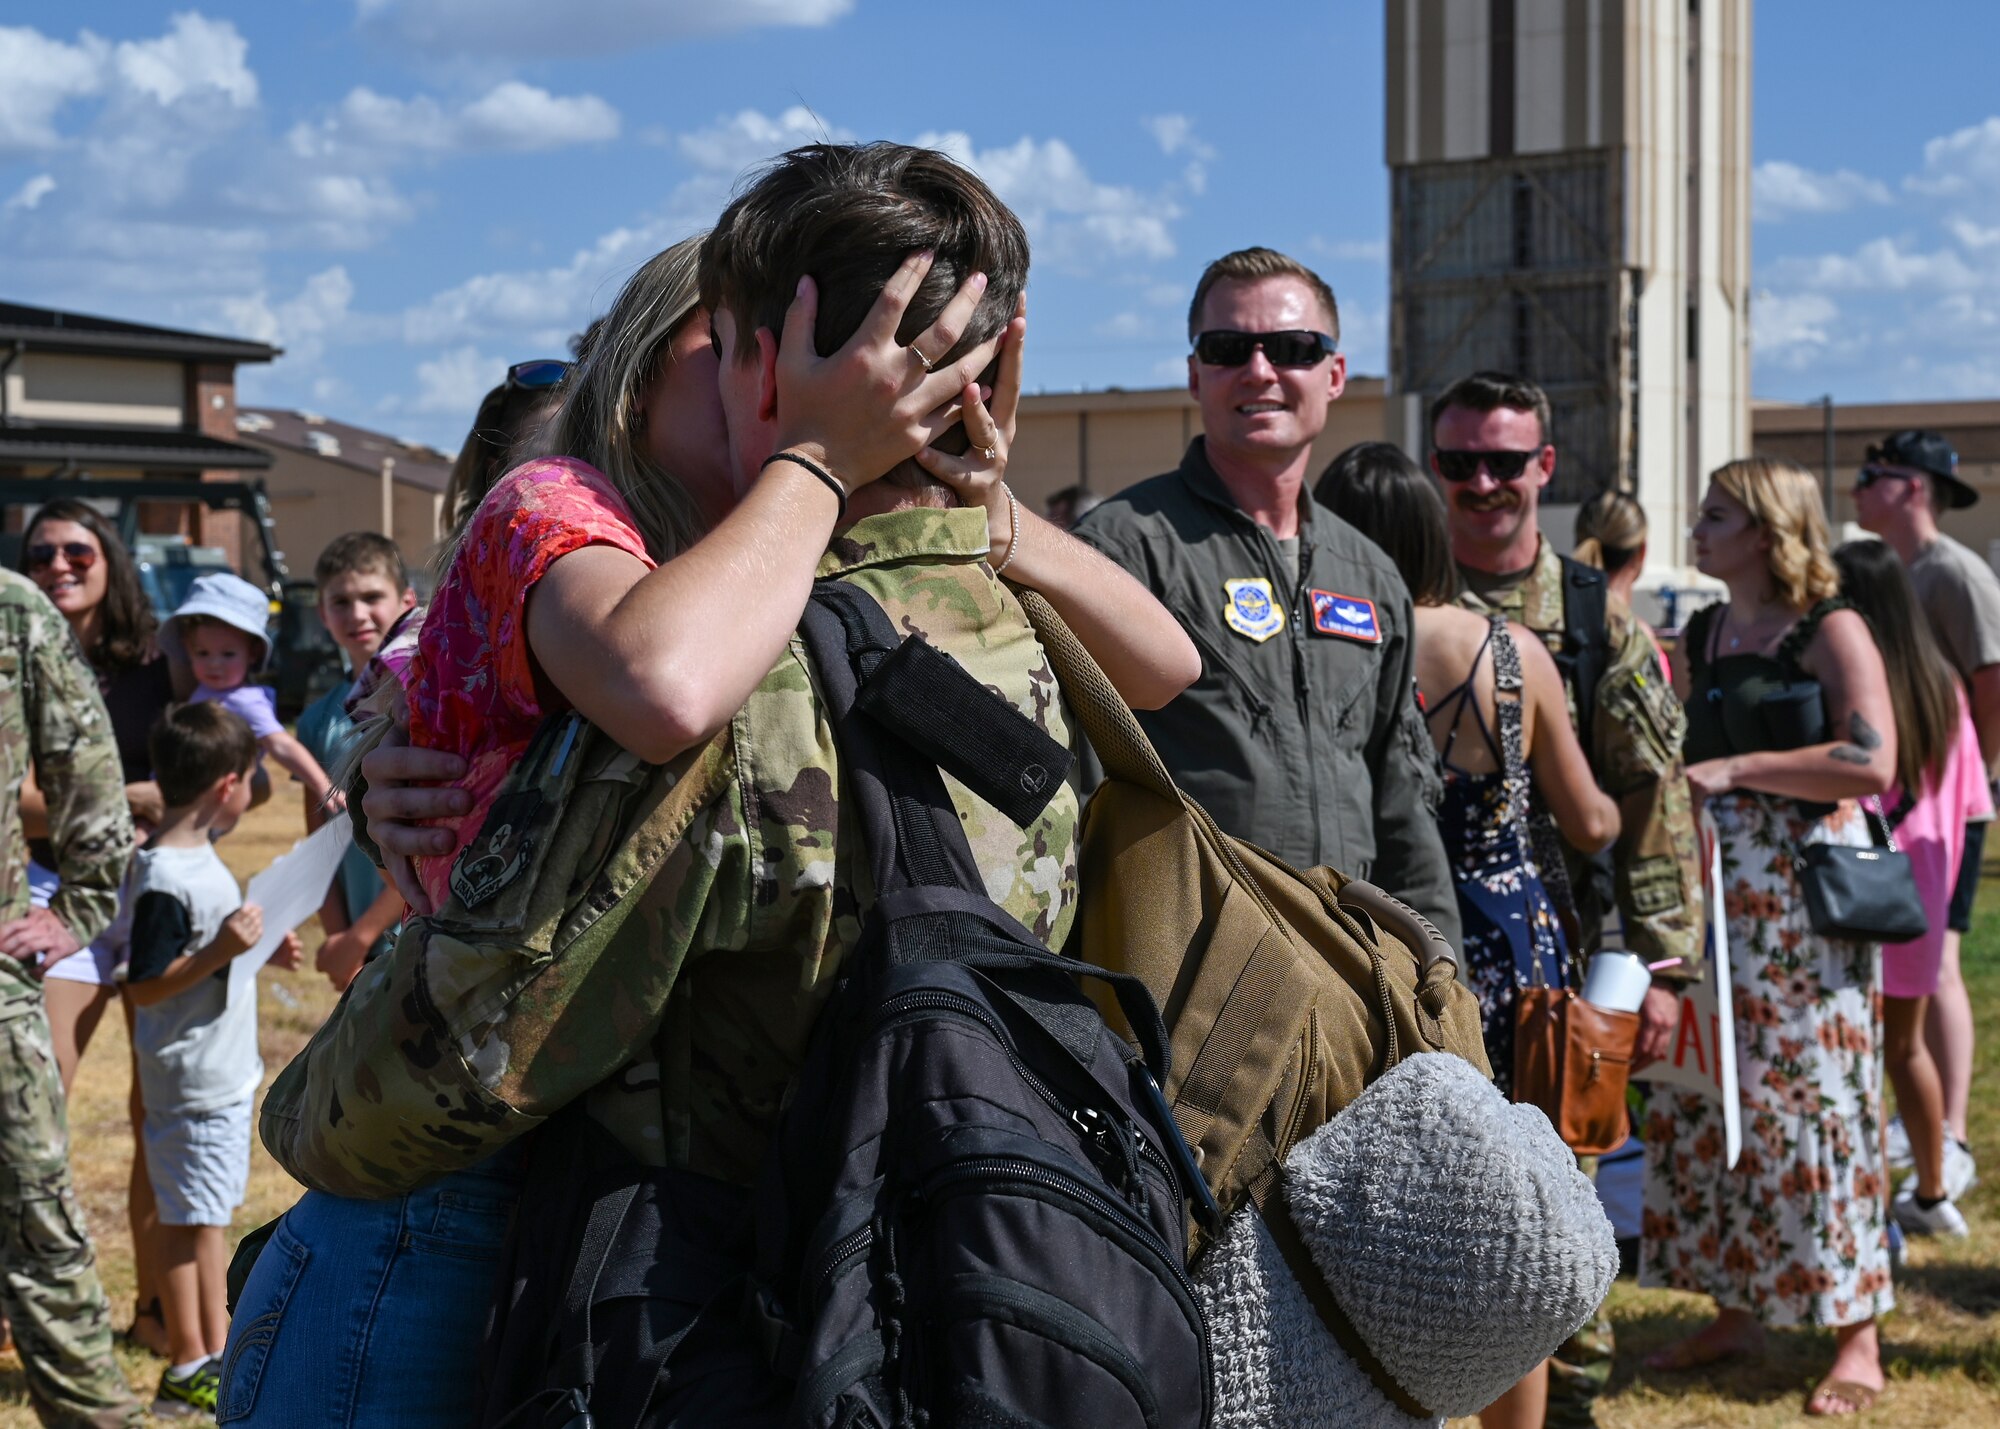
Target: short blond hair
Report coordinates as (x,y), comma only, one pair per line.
(1783,498)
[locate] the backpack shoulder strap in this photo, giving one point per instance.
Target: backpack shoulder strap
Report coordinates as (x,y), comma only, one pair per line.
(1586,637)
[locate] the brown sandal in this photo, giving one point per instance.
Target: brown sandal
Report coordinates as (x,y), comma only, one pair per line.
(1851,1397)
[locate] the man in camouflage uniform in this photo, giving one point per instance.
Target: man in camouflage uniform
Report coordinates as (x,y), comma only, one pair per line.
(51,716)
(1492,455)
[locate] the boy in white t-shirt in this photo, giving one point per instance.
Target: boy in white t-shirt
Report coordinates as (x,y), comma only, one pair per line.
(197,1047)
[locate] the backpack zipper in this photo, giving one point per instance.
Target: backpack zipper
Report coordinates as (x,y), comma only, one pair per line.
(1021,1169)
(952,1002)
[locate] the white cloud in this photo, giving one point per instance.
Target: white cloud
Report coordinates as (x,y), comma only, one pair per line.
(1174,133)
(1126,327)
(1350,250)
(512,117)
(196,54)
(1779,190)
(1972,235)
(38,75)
(1791,327)
(1881,265)
(537,29)
(301,324)
(454,381)
(537,306)
(1073,219)
(732,145)
(1966,161)
(30,194)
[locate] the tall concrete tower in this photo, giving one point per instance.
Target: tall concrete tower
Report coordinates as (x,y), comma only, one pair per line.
(1570,200)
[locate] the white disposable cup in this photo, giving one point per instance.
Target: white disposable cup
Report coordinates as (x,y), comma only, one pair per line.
(1617,981)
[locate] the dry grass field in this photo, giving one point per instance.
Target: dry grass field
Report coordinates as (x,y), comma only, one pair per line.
(1942,1344)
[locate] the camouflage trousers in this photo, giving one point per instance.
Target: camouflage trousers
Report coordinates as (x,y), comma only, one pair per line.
(1580,1369)
(48,1270)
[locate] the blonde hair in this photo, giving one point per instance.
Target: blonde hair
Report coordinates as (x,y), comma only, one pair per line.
(1610,530)
(601,419)
(1784,499)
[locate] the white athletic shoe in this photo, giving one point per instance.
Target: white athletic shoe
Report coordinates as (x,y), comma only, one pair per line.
(1898,1138)
(1961,1172)
(1942,1219)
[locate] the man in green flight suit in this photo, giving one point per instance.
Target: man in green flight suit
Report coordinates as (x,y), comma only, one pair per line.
(52,717)
(1492,454)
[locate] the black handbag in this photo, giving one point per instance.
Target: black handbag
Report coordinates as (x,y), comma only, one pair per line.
(1866,895)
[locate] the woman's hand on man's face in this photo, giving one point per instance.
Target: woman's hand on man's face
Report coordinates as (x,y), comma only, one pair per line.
(875,402)
(405,786)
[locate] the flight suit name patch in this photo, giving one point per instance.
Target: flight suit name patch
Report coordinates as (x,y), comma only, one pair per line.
(1349,616)
(1253,608)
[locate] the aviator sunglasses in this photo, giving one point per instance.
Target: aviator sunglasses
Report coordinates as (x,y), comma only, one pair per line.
(542,372)
(80,554)
(1464,466)
(1295,347)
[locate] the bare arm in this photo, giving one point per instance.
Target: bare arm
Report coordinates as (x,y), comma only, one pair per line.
(1859,761)
(1984,690)
(285,748)
(636,651)
(1587,816)
(1135,639)
(239,935)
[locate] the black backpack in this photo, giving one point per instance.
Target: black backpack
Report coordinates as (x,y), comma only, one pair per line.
(974,1213)
(974,1210)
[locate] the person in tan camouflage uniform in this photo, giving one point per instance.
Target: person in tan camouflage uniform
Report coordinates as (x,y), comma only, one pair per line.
(1492,454)
(680,1012)
(52,717)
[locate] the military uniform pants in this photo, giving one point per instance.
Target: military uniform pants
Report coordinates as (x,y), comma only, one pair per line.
(48,1271)
(1580,1369)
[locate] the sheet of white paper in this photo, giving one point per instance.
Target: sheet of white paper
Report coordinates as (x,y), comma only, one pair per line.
(1703,1058)
(291,891)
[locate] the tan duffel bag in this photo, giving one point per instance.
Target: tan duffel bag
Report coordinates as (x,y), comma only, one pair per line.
(1284,993)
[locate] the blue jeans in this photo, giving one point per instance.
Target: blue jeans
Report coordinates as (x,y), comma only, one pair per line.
(368,1314)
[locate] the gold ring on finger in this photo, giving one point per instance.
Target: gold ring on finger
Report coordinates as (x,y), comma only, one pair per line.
(916,353)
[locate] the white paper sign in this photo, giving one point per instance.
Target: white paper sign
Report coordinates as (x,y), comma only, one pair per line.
(290,891)
(1703,1055)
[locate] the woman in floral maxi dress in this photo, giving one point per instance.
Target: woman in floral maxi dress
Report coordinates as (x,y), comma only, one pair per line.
(1796,1233)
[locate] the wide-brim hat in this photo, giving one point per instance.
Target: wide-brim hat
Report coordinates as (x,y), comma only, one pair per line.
(1931,454)
(231,600)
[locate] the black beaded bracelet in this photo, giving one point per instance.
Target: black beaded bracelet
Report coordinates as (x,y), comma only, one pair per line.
(839,492)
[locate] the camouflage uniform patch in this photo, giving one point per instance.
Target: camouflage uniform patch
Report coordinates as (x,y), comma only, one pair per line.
(51,716)
(722,898)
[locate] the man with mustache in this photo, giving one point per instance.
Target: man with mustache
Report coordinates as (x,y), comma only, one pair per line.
(1492,454)
(1303,734)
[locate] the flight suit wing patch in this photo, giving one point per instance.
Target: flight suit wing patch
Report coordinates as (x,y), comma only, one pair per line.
(1349,616)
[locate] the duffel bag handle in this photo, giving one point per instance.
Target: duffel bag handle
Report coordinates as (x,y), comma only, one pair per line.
(1108,722)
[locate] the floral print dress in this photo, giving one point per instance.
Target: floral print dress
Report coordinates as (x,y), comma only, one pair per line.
(1512,937)
(1796,1233)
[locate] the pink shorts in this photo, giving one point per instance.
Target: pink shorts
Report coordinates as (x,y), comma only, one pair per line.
(1911,969)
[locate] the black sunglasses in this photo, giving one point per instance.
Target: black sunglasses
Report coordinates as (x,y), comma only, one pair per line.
(1294,348)
(1872,474)
(80,554)
(1464,466)
(542,372)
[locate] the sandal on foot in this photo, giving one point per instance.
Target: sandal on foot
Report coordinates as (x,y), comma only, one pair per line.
(1851,1397)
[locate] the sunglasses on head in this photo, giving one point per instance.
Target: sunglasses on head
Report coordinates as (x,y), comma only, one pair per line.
(542,372)
(80,554)
(1294,348)
(1464,466)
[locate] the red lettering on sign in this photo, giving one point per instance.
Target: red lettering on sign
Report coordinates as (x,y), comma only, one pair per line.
(1690,1036)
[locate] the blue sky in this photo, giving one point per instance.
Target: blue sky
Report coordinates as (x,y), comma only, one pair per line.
(409,194)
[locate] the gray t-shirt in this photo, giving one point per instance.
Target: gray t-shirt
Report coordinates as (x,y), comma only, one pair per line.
(1961,595)
(197,1049)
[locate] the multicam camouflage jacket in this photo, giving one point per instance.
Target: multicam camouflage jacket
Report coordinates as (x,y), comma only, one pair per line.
(51,716)
(660,938)
(1635,752)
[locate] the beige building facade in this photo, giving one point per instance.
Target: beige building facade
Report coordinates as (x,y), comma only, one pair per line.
(329,477)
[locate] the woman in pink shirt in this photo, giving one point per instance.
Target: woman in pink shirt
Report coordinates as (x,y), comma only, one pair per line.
(1940,786)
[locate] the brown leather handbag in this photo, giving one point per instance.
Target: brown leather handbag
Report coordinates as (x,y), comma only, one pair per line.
(1572,1059)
